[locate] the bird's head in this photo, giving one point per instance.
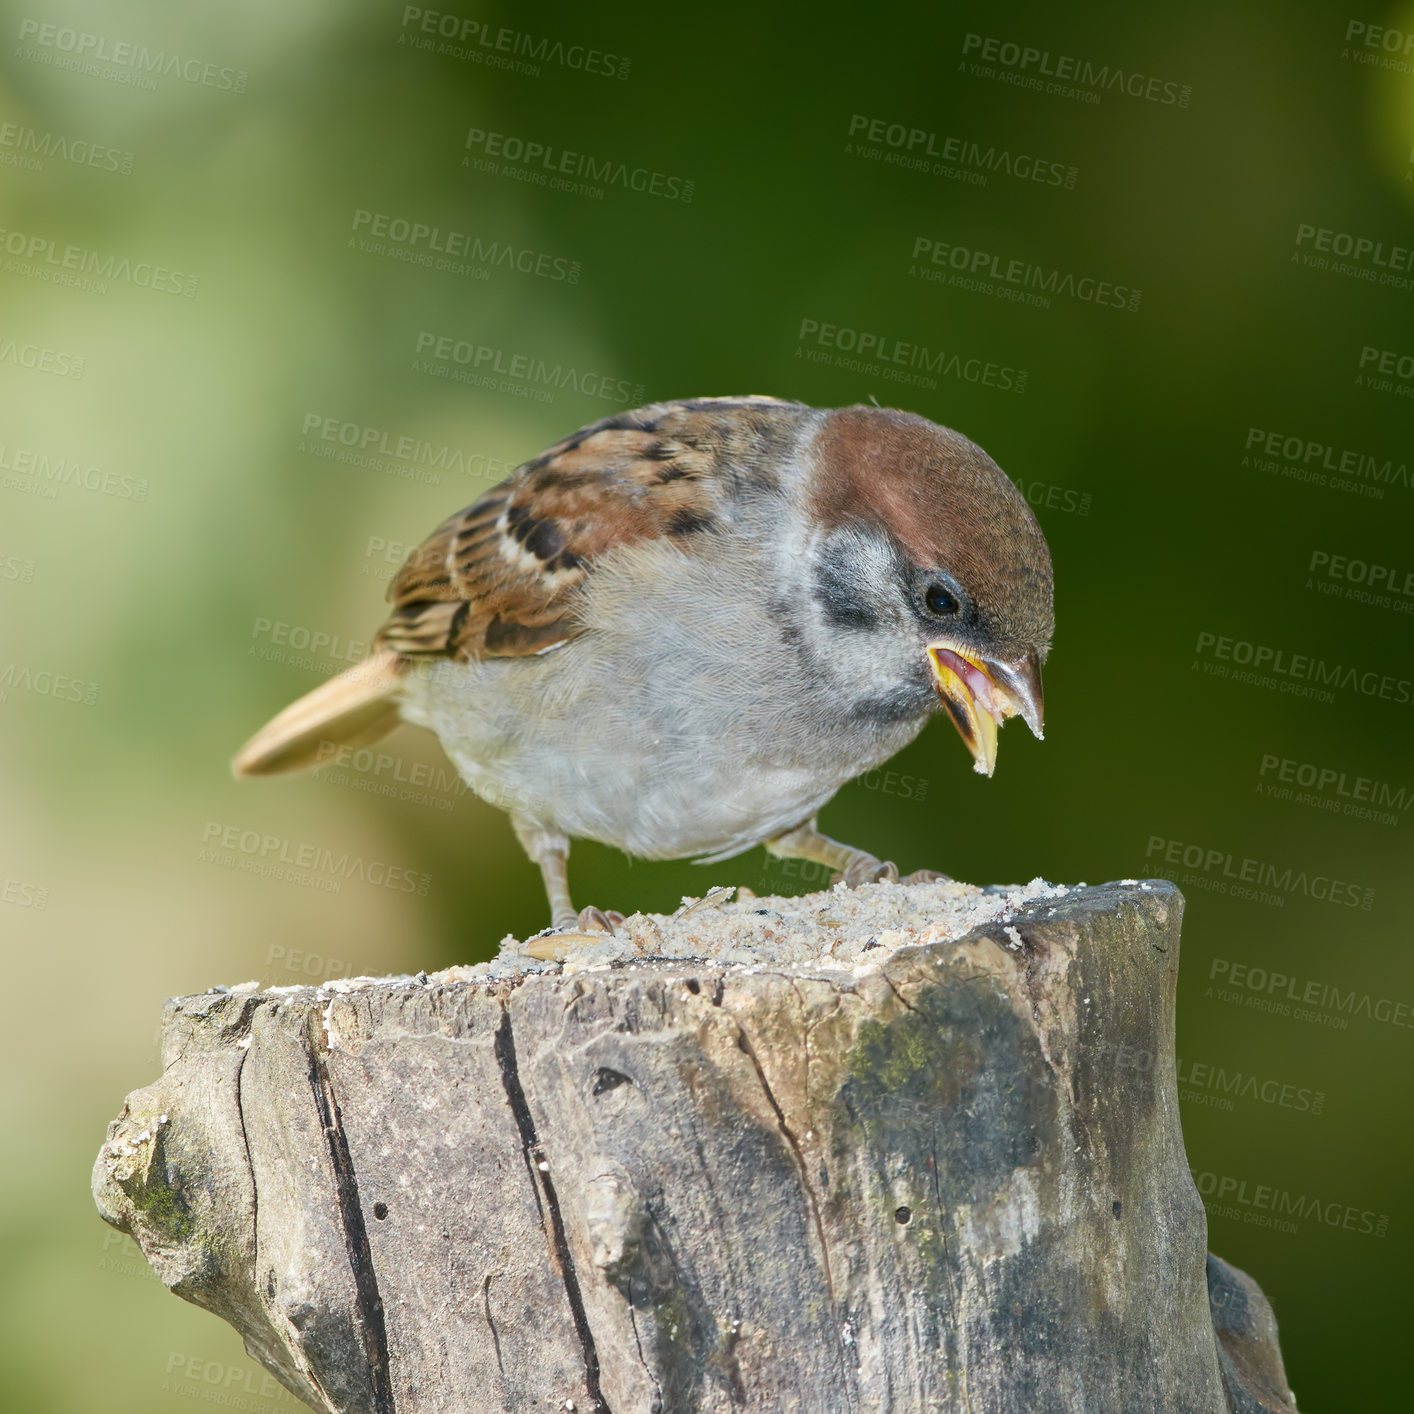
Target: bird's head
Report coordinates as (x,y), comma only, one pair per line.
(930,566)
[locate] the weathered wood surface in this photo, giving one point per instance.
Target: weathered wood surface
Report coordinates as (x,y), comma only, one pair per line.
(666,1187)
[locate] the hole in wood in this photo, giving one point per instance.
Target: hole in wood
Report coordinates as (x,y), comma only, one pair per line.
(380,1211)
(606,1079)
(903,1215)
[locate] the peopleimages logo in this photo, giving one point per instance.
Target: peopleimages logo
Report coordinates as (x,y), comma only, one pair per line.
(965,268)
(1303,999)
(502,47)
(419,243)
(1266,1205)
(1220,871)
(524,374)
(212,1382)
(382,773)
(41,359)
(899,360)
(1301,674)
(1359,257)
(1379,46)
(314,865)
(1307,459)
(1364,250)
(1215,1085)
(397,453)
(54,471)
(549,165)
(1211,1083)
(42,257)
(12,567)
(945,155)
(43,683)
(320,644)
(22,146)
(1331,789)
(1361,581)
(23,895)
(1029,67)
(81,51)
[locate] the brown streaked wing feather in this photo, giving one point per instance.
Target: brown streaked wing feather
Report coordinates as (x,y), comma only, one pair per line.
(500,578)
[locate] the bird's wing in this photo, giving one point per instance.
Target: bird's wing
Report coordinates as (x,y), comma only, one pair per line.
(500,579)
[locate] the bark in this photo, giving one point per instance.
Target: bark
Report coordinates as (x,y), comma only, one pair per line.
(940,1184)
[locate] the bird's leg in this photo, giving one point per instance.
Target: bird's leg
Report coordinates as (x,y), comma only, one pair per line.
(853,866)
(551,850)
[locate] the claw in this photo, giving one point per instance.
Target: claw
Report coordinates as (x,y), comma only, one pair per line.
(927,876)
(595,920)
(866,870)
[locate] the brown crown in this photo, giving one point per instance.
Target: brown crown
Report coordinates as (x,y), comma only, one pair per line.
(949,505)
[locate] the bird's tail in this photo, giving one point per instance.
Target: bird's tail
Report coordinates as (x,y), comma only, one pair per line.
(354,709)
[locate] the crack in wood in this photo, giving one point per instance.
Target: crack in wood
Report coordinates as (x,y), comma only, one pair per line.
(491,1324)
(250,1165)
(505,1049)
(951,1347)
(657,1406)
(903,1001)
(373,1329)
(808,1188)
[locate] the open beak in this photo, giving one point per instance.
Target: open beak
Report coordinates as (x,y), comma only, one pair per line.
(980,695)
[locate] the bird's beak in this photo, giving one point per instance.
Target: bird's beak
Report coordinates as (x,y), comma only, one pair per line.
(980,695)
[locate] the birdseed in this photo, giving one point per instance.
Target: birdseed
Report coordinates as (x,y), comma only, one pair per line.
(841,929)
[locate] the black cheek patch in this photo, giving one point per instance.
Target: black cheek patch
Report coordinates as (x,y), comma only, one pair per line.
(842,600)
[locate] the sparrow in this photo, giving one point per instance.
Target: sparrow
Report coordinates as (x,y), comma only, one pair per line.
(683,628)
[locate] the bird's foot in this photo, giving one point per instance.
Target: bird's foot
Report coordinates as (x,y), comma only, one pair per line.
(858,866)
(589,925)
(927,876)
(865,869)
(598,920)
(587,920)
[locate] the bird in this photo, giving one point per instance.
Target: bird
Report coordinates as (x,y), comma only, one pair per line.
(680,630)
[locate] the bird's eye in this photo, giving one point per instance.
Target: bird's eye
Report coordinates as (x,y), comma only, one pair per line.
(940,601)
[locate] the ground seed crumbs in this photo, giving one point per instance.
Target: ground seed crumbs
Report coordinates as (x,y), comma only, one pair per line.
(842,929)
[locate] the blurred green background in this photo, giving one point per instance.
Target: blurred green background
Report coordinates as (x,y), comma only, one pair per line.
(188,540)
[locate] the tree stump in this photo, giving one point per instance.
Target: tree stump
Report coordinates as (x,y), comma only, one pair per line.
(664,1185)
